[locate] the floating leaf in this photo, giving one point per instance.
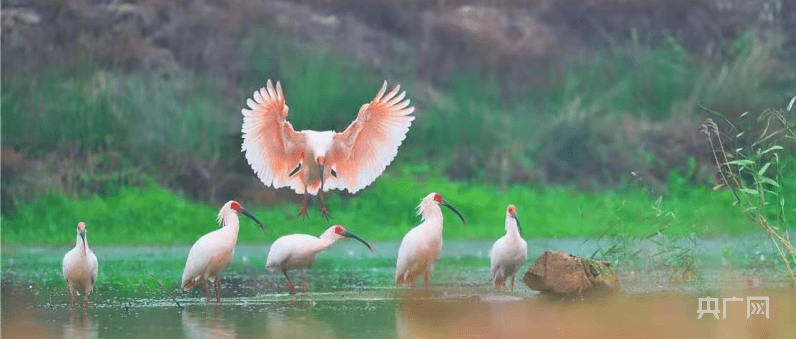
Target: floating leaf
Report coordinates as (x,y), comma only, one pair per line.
(790,105)
(743,114)
(740,134)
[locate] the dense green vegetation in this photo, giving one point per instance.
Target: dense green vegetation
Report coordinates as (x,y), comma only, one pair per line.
(130,133)
(385,211)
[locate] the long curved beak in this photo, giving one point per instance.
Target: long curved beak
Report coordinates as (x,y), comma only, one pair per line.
(446,204)
(514,215)
(348,234)
(246,213)
(83,236)
(322,181)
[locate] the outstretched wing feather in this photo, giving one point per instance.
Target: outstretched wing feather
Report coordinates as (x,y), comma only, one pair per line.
(362,151)
(271,145)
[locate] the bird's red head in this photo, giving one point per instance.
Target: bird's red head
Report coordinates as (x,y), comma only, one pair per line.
(235,206)
(81,226)
(438,198)
(340,230)
(512,209)
(321,160)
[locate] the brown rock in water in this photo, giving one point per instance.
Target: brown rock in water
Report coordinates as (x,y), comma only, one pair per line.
(562,274)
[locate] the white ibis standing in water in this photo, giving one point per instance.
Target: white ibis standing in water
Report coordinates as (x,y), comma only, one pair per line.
(298,251)
(421,246)
(509,252)
(80,267)
(311,162)
(213,252)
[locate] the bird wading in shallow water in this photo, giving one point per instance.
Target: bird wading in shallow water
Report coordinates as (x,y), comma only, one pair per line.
(80,267)
(421,246)
(509,252)
(213,252)
(311,162)
(298,251)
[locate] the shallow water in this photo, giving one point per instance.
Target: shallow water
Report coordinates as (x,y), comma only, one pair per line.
(351,295)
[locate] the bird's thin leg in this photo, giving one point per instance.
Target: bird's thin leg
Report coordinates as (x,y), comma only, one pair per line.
(72,305)
(207,292)
(85,300)
(304,280)
(426,279)
(324,211)
(512,283)
(218,295)
(290,286)
(303,212)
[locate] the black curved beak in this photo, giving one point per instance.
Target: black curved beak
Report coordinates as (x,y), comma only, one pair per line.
(295,170)
(446,204)
(348,234)
(83,236)
(514,215)
(246,213)
(322,168)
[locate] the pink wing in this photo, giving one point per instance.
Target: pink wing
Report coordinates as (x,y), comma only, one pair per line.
(362,152)
(272,147)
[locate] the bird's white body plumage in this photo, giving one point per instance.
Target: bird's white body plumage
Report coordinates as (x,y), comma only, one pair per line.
(298,251)
(213,252)
(357,155)
(509,252)
(421,246)
(319,143)
(80,271)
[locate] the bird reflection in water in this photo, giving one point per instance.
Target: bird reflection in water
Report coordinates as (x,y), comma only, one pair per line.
(202,322)
(301,325)
(80,325)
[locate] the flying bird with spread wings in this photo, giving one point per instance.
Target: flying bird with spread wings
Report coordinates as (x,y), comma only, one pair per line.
(311,162)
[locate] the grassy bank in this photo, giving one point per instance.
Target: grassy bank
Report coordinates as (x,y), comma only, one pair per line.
(385,211)
(100,145)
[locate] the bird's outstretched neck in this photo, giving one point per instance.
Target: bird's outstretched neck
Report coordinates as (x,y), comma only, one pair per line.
(325,241)
(230,222)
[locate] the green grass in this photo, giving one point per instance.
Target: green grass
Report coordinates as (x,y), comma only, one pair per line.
(324,88)
(98,109)
(85,105)
(147,118)
(385,211)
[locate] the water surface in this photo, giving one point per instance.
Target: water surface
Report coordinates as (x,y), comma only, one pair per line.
(351,295)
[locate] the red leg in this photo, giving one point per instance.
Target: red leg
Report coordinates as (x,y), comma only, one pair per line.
(291,288)
(207,292)
(323,206)
(72,305)
(303,212)
(85,301)
(426,278)
(218,295)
